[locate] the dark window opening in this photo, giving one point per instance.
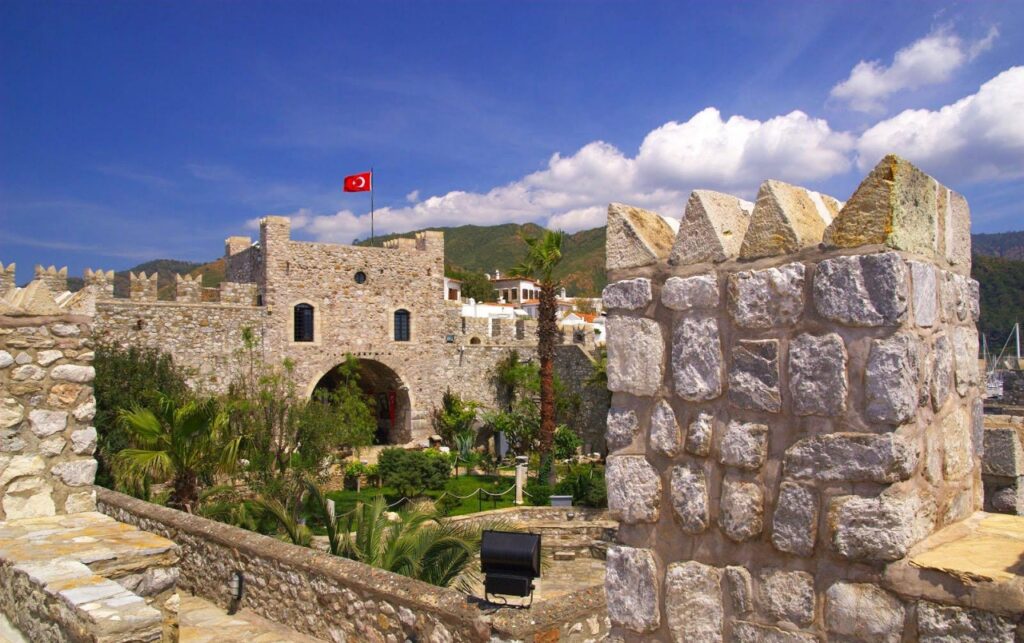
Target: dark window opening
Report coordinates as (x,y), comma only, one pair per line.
(303,323)
(259,300)
(401,325)
(360,277)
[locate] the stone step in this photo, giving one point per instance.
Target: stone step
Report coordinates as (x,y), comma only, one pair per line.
(109,548)
(564,555)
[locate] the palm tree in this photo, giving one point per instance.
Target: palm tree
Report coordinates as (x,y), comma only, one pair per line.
(415,542)
(543,255)
(176,441)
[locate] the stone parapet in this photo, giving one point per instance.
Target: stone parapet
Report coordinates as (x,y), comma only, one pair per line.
(142,287)
(55,279)
(7,278)
(46,409)
(788,416)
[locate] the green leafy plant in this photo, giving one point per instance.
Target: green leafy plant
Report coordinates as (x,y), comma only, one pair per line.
(412,472)
(566,442)
(538,493)
(179,441)
(586,484)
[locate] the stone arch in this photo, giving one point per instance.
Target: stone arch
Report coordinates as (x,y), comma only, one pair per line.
(392,400)
(474,341)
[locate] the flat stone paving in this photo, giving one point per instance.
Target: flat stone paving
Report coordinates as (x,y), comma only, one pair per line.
(200,621)
(559,577)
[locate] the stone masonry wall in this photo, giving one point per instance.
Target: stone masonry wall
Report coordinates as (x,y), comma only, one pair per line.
(46,409)
(796,403)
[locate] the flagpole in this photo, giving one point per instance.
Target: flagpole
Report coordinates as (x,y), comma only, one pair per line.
(371,206)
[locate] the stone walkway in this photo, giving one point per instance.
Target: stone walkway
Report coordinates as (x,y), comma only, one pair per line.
(201,621)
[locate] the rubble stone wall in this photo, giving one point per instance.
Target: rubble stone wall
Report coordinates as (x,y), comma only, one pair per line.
(796,403)
(46,409)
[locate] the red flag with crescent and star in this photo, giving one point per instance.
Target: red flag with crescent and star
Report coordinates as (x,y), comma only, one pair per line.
(362,182)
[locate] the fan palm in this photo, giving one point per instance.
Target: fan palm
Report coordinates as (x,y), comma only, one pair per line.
(542,257)
(175,440)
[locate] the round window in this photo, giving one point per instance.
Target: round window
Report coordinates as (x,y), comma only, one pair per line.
(360,277)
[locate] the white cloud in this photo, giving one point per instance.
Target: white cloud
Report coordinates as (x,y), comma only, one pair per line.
(979,137)
(928,61)
(573,192)
(413,196)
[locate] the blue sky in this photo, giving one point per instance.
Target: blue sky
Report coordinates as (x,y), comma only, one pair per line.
(140,130)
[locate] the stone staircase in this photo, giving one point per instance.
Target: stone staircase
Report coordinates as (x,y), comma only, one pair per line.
(87,577)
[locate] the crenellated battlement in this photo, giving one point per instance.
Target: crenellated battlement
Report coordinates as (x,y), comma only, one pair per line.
(142,287)
(188,288)
(7,278)
(796,407)
(56,279)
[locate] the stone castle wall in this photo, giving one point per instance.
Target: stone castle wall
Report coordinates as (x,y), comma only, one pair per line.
(46,410)
(790,416)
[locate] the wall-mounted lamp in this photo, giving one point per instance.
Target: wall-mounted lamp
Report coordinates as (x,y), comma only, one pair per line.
(236,584)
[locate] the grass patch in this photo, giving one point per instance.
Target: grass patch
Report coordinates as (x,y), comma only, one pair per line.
(345,500)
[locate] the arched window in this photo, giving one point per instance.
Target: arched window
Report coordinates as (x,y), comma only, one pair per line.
(303,323)
(401,325)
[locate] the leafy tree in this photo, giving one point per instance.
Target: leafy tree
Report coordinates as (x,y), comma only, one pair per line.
(412,472)
(584,305)
(475,285)
(566,442)
(177,441)
(454,420)
(1002,297)
(127,377)
(520,424)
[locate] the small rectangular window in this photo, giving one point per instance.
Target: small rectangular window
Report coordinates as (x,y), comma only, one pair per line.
(402,326)
(303,323)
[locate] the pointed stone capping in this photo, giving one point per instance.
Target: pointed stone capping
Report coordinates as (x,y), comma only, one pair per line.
(636,237)
(7,278)
(786,218)
(896,205)
(712,228)
(34,299)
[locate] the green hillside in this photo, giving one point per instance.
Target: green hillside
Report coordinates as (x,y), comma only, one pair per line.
(1008,245)
(1002,297)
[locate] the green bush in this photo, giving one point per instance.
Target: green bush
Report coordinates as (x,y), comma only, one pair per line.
(413,472)
(585,483)
(538,493)
(566,442)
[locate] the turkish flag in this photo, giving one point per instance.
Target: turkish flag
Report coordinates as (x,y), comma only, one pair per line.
(359,182)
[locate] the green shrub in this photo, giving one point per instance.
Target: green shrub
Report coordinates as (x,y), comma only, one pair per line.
(413,472)
(586,484)
(538,493)
(566,442)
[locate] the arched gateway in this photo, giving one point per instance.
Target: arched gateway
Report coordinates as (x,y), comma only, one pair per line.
(391,399)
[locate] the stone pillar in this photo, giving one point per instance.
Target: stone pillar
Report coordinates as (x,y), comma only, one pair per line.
(520,479)
(101,281)
(141,287)
(235,245)
(188,288)
(787,417)
(55,280)
(46,410)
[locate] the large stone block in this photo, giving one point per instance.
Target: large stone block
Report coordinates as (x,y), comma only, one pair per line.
(965,357)
(1004,455)
(817,374)
(941,380)
(44,423)
(20,465)
(630,294)
(786,595)
(741,589)
(11,413)
(699,434)
(687,293)
(786,218)
(891,379)
(623,426)
(741,514)
(957,224)
(795,522)
(862,290)
(946,623)
(712,228)
(864,612)
(925,288)
(73,373)
(631,587)
(693,602)
(958,454)
(754,375)
(634,489)
(881,528)
(28,497)
(697,359)
(852,457)
(767,298)
(895,206)
(690,497)
(666,438)
(76,473)
(636,237)
(744,445)
(636,352)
